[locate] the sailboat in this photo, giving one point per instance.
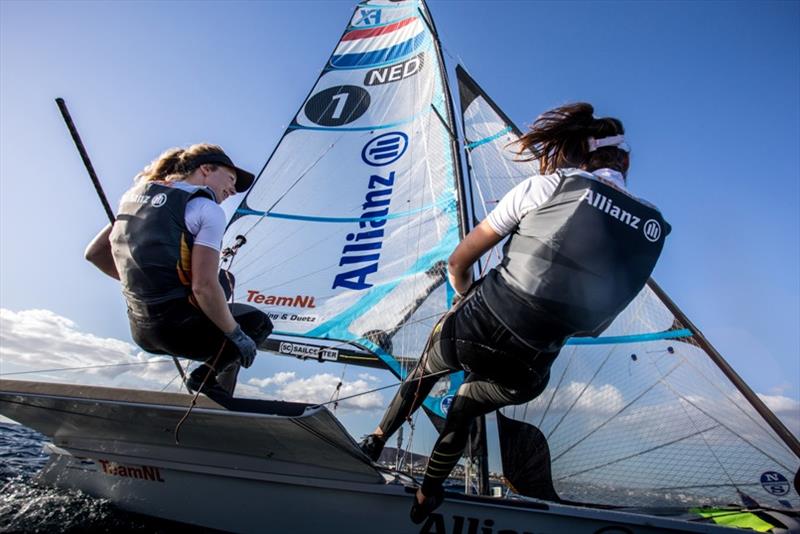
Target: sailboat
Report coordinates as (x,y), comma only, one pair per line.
(343,241)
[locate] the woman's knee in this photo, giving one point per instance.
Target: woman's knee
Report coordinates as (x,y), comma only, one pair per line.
(254,322)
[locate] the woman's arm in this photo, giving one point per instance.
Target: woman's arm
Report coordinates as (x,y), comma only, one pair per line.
(476,244)
(98,252)
(207,289)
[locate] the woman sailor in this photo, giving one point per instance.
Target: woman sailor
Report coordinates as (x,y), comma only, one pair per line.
(165,247)
(580,249)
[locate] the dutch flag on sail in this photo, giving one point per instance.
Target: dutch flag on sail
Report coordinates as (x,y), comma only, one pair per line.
(379,45)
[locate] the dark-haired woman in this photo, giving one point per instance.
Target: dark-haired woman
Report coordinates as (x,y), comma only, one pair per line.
(165,248)
(580,248)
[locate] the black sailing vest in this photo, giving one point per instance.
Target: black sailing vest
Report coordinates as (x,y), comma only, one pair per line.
(151,245)
(575,262)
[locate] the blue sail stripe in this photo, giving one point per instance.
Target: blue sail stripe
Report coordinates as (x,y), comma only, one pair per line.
(634,338)
(489,139)
(312,218)
(377,58)
(337,327)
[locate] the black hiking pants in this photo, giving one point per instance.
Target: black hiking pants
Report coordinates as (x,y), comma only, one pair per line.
(181,329)
(500,370)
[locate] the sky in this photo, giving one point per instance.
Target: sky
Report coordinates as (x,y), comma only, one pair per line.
(708,92)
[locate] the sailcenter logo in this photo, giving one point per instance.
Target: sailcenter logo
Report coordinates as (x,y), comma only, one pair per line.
(385,149)
(308,351)
(395,73)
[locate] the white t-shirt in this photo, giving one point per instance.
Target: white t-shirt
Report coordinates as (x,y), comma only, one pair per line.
(205,219)
(535,191)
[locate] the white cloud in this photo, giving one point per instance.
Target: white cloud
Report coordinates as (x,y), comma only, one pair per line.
(38,340)
(367,376)
(278,378)
(321,388)
(787,410)
(779,403)
(593,399)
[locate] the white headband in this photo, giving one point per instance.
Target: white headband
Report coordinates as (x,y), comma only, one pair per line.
(616,140)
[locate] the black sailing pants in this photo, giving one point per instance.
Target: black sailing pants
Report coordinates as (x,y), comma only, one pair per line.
(179,328)
(501,370)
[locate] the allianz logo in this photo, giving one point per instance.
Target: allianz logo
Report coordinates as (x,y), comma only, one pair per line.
(385,149)
(651,228)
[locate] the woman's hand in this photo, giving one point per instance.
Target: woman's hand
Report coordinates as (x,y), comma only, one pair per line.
(459,266)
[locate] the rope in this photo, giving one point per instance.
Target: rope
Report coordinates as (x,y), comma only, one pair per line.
(440,373)
(86,367)
(211,369)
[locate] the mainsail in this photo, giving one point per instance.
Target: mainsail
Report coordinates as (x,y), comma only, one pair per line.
(646,414)
(350,223)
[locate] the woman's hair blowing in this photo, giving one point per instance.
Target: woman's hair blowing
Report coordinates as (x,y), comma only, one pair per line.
(559,138)
(175,164)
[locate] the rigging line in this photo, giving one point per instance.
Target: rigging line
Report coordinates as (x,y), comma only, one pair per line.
(726,427)
(86,367)
(211,370)
(257,258)
(61,410)
(604,423)
(585,387)
(337,390)
(302,175)
(634,455)
(439,373)
(688,416)
(555,390)
(699,486)
(734,403)
(170,382)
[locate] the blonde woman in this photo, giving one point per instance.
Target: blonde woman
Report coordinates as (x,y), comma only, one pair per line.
(165,248)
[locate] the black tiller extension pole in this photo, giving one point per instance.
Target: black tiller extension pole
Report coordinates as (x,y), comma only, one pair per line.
(62,106)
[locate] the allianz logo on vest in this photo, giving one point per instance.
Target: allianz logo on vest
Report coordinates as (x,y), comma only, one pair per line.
(651,227)
(155,200)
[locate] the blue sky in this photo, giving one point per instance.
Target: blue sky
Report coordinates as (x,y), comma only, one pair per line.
(708,92)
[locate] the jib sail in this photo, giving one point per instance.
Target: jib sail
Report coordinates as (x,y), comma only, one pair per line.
(646,414)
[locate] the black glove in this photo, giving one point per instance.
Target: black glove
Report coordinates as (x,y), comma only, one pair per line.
(246,346)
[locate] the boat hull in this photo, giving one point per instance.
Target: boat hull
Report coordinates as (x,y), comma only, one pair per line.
(256,466)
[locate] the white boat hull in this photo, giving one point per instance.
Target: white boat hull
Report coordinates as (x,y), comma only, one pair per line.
(286,468)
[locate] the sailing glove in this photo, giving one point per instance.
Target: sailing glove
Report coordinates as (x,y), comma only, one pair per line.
(245,344)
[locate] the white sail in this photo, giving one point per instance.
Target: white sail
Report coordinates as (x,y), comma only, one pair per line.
(646,414)
(350,223)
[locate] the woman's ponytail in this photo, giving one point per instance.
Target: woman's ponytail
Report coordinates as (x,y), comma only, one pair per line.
(559,138)
(175,163)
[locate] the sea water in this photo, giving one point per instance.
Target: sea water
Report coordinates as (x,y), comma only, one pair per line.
(26,506)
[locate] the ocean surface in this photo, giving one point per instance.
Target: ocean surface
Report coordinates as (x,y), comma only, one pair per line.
(26,506)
